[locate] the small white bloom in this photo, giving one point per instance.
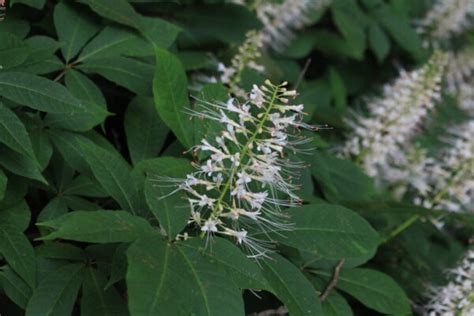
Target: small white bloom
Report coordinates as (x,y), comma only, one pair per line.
(210,226)
(456,298)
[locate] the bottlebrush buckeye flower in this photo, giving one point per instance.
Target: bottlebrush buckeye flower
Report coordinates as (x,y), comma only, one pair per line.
(452,175)
(456,298)
(447,18)
(246,57)
(394,117)
(240,189)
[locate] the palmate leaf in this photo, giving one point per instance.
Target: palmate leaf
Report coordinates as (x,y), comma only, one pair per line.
(15,288)
(74,29)
(243,271)
(159,32)
(3,184)
(113,173)
(129,73)
(329,231)
(97,226)
(20,164)
(37,4)
(172,212)
(97,301)
(84,89)
(145,131)
(291,286)
(41,94)
(18,252)
(169,279)
(171,96)
(41,59)
(115,41)
(17,215)
(13,133)
(13,50)
(374,289)
(57,292)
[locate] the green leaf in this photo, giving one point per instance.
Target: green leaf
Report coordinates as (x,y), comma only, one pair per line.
(3,184)
(97,301)
(115,41)
(84,89)
(400,30)
(291,286)
(37,4)
(126,72)
(42,49)
(20,164)
(173,211)
(57,292)
(119,11)
(159,32)
(97,227)
(341,180)
(113,173)
(41,145)
(15,26)
(351,30)
(329,231)
(17,215)
(74,29)
(119,265)
(45,95)
(378,42)
(55,208)
(18,252)
(13,133)
(209,129)
(338,90)
(67,143)
(84,186)
(374,289)
(167,279)
(17,188)
(61,251)
(201,21)
(243,271)
(336,305)
(171,96)
(145,131)
(13,50)
(14,287)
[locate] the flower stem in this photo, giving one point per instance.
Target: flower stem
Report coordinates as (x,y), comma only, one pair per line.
(246,148)
(400,228)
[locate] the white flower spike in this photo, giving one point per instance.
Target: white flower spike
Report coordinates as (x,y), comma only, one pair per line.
(456,298)
(447,18)
(240,189)
(379,138)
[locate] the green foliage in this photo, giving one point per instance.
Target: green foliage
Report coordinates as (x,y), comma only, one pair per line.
(96,99)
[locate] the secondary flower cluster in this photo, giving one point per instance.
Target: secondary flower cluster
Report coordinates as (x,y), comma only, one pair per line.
(240,189)
(246,57)
(451,177)
(279,23)
(447,18)
(281,20)
(378,140)
(456,298)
